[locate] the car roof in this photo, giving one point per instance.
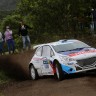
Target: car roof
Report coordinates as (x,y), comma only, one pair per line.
(63,41)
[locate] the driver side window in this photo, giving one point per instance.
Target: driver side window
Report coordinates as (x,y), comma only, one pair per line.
(39,51)
(47,51)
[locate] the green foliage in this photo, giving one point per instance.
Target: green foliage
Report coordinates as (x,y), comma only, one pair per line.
(12,21)
(4,14)
(52,19)
(52,13)
(56,17)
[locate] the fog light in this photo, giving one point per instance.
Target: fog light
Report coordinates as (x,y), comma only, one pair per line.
(71,69)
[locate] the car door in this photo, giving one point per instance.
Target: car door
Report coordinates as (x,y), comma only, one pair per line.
(47,60)
(37,58)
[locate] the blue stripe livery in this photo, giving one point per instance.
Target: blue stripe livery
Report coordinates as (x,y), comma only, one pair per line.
(67,69)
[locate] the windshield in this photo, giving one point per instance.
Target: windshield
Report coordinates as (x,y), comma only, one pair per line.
(70,46)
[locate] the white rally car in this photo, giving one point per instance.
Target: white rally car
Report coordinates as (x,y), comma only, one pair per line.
(62,57)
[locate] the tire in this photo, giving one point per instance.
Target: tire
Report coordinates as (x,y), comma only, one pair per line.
(33,73)
(59,72)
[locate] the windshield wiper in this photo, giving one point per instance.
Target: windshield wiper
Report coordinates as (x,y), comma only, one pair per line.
(61,51)
(81,48)
(64,51)
(78,48)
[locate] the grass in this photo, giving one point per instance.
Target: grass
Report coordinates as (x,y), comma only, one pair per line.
(1,94)
(3,77)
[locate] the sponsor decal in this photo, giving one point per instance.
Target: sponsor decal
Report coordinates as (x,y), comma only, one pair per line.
(82,52)
(46,63)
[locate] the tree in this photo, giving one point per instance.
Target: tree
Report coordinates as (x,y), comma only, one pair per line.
(56,17)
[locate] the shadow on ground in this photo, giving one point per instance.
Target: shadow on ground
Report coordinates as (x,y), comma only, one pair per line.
(16,65)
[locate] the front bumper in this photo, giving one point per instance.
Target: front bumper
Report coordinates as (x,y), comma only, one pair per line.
(71,70)
(83,70)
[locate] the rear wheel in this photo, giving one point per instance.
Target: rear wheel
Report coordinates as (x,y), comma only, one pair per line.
(59,72)
(33,73)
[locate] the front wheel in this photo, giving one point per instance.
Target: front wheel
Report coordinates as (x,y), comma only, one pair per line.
(33,73)
(59,72)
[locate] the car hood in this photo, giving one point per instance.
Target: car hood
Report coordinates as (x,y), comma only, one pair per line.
(79,54)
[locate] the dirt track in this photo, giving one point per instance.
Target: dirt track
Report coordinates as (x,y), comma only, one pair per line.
(73,85)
